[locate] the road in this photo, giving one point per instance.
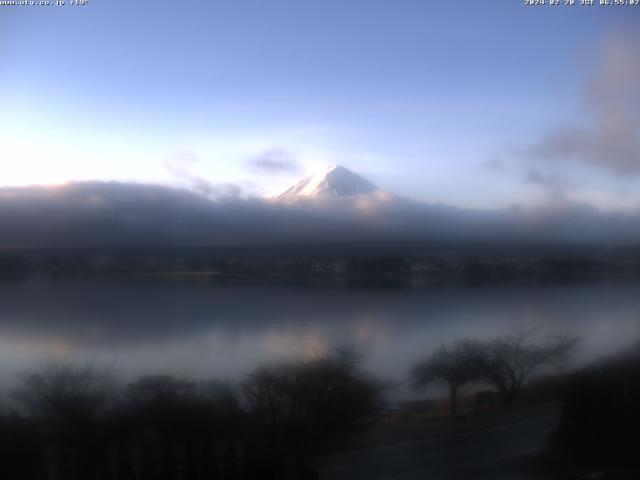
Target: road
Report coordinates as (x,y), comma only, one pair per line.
(495,445)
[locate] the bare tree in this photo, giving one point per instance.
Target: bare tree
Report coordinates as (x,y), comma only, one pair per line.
(70,402)
(66,392)
(511,359)
(454,366)
(297,406)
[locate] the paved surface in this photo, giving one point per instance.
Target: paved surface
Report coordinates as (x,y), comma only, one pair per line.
(493,445)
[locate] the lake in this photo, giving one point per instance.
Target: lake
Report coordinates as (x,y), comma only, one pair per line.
(206,329)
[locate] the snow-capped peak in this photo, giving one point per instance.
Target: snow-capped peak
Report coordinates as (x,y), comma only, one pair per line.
(331,182)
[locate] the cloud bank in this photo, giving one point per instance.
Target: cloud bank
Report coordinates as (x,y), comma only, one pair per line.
(122,214)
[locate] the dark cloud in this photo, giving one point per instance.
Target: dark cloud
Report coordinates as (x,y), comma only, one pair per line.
(611,138)
(109,214)
(274,161)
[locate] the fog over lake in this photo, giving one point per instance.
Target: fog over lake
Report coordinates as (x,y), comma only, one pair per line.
(207,329)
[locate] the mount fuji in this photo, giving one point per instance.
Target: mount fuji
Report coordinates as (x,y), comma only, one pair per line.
(332,182)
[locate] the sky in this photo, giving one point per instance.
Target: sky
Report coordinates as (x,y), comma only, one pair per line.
(472,104)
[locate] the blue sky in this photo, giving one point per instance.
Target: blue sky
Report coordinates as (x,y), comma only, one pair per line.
(433,100)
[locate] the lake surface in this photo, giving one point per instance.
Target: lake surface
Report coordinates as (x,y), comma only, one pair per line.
(212,330)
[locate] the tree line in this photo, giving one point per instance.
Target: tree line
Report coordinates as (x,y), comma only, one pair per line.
(78,422)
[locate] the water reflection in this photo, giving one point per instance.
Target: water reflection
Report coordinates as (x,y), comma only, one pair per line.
(204,329)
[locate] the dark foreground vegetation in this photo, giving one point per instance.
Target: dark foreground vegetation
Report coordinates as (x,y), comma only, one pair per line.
(72,422)
(77,423)
(600,423)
